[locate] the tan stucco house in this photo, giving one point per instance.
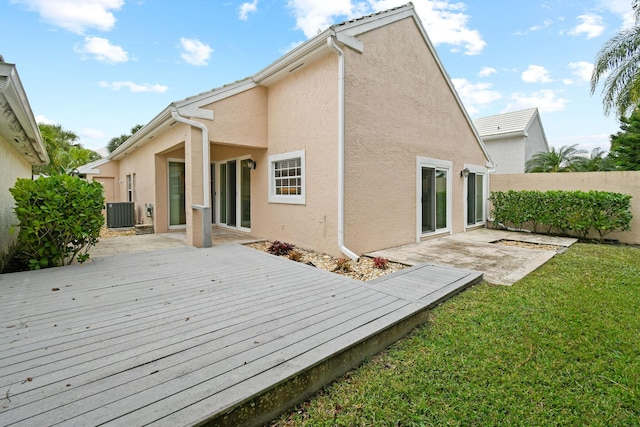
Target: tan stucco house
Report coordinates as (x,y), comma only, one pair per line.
(21,147)
(354,141)
(513,138)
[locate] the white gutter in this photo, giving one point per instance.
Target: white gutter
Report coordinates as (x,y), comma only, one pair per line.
(206,216)
(331,43)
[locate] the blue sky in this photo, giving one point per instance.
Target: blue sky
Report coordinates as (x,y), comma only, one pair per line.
(98,67)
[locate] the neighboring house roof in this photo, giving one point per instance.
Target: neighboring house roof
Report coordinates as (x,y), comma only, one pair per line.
(304,54)
(17,123)
(506,125)
(91,168)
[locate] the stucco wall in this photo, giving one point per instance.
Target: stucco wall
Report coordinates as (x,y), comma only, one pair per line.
(240,119)
(399,106)
(619,182)
(535,141)
(12,166)
(302,116)
(508,154)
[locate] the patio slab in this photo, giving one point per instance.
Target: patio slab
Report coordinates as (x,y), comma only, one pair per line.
(477,250)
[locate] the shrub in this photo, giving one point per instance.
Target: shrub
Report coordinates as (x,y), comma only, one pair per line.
(280,248)
(295,256)
(60,219)
(343,265)
(381,263)
(565,212)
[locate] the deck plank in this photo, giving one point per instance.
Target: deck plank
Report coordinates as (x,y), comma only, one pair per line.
(174,337)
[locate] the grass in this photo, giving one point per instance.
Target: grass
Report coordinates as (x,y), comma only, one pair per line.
(561,347)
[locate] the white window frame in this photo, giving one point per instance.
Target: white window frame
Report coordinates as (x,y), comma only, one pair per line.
(131,182)
(294,199)
(427,162)
(478,170)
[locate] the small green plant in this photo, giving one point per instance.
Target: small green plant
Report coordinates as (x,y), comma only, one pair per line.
(280,248)
(381,263)
(343,265)
(60,219)
(295,256)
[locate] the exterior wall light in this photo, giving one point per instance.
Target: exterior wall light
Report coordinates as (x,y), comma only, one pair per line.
(252,164)
(464,172)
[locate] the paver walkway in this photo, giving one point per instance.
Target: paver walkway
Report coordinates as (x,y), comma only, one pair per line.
(182,336)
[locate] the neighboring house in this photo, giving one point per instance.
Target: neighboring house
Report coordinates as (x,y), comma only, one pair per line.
(21,147)
(354,141)
(512,138)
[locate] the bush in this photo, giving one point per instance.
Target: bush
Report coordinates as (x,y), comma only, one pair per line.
(563,212)
(280,248)
(60,219)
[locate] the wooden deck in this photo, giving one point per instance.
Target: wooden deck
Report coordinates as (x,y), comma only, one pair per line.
(225,335)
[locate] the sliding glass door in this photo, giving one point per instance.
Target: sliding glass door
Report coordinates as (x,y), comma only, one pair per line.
(235,193)
(177,194)
(434,199)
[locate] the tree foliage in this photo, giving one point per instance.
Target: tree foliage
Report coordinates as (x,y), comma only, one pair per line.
(563,159)
(60,219)
(625,145)
(117,141)
(618,63)
(598,160)
(65,153)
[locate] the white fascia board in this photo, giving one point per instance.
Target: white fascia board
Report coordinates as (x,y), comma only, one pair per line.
(143,135)
(296,55)
(506,135)
(363,25)
(194,103)
(13,91)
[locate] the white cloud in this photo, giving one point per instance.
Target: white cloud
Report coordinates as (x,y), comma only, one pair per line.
(92,133)
(547,23)
(591,26)
(102,50)
(486,71)
(247,8)
(582,70)
(622,8)
(134,87)
(195,52)
(446,23)
(475,95)
(546,101)
(76,15)
(44,120)
(536,74)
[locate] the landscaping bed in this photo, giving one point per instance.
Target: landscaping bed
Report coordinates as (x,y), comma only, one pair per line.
(364,268)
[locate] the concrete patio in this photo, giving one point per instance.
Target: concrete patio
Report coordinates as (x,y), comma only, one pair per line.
(478,250)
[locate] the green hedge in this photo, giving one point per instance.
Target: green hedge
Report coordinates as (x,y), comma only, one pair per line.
(60,219)
(569,213)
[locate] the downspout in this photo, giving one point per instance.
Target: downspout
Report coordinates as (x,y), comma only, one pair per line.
(205,208)
(331,43)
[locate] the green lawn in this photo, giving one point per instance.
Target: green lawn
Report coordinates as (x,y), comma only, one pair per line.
(560,347)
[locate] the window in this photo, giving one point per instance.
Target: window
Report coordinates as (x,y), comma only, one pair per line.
(131,182)
(286,172)
(475,198)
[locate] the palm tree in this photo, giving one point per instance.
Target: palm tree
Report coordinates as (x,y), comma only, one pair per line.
(562,160)
(619,61)
(598,160)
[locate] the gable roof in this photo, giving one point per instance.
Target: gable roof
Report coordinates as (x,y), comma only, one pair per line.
(18,125)
(345,33)
(515,123)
